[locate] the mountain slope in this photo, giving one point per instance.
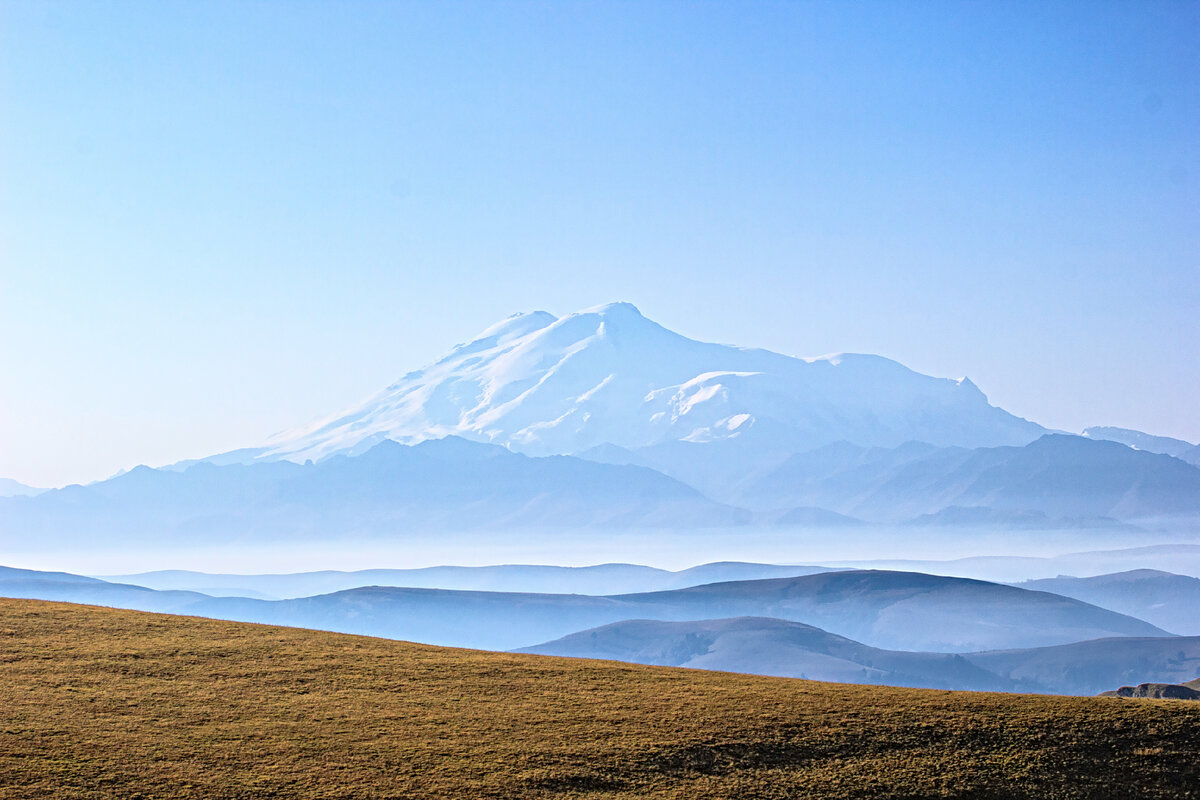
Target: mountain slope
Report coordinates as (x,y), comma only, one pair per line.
(66,587)
(1144,441)
(1171,602)
(446,484)
(609,376)
(1058,476)
(10,488)
(764,646)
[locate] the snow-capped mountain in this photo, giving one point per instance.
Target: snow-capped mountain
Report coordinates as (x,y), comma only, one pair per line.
(10,488)
(541,385)
(1144,441)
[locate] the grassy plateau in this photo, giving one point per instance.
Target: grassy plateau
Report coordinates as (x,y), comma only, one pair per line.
(99,703)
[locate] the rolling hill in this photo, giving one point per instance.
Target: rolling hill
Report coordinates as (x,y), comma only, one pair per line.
(763,646)
(1172,602)
(1182,559)
(64,586)
(106,703)
(902,610)
(1095,666)
(788,649)
(892,610)
(600,579)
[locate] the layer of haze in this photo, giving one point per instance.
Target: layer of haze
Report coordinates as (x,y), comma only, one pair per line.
(218,220)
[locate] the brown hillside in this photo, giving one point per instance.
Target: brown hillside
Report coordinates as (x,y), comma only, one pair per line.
(98,703)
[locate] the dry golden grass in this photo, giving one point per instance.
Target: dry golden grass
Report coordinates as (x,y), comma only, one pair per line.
(98,703)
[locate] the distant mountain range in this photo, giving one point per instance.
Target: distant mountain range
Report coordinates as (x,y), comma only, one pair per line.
(1185,451)
(1061,478)
(606,419)
(389,491)
(392,491)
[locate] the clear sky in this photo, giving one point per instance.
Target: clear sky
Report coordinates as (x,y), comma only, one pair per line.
(218,220)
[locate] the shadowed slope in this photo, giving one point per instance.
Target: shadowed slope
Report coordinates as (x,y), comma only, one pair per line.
(770,647)
(904,610)
(1169,601)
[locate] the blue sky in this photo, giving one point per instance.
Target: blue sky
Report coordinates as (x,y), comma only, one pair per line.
(218,220)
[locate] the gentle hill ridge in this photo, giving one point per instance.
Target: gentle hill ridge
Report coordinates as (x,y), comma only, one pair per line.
(788,649)
(598,579)
(1169,601)
(882,609)
(891,610)
(1094,666)
(765,646)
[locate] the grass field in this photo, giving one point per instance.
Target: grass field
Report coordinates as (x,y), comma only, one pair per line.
(98,703)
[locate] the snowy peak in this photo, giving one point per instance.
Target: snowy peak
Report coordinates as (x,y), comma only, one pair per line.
(10,488)
(514,327)
(542,384)
(1143,441)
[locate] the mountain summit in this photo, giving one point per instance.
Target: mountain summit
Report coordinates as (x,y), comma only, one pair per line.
(608,375)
